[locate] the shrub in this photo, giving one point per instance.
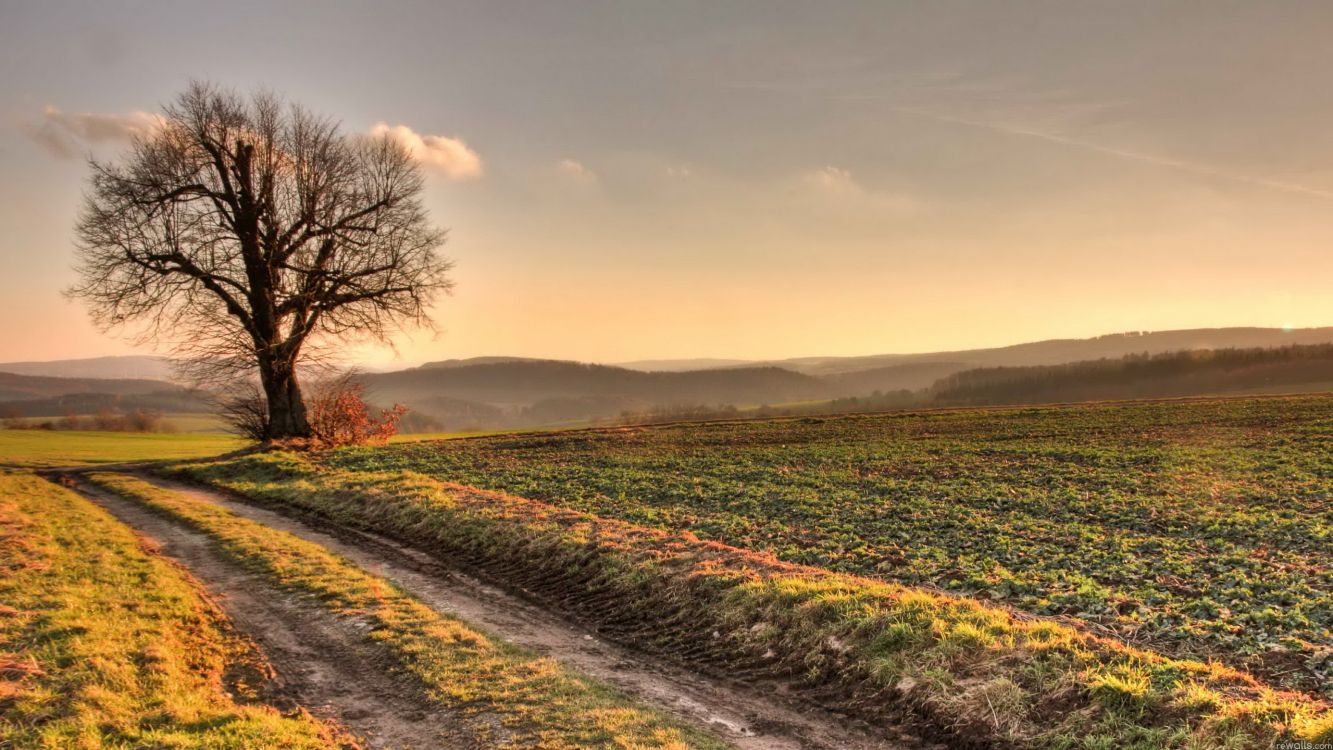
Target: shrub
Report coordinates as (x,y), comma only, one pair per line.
(340,416)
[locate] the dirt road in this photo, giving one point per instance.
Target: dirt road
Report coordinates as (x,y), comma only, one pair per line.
(324,667)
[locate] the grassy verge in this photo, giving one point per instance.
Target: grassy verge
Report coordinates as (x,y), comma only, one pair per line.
(980,672)
(536,702)
(39,448)
(104,644)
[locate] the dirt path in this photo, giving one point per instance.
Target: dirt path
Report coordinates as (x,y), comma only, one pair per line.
(321,661)
(749,717)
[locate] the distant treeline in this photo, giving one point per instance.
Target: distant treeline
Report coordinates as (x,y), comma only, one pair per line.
(1187,373)
(105,420)
(165,400)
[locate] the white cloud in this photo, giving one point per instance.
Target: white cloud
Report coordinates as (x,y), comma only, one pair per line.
(576,170)
(830,179)
(451,156)
(835,187)
(679,171)
(65,134)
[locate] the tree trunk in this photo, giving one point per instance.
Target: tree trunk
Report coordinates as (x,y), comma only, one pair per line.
(286,407)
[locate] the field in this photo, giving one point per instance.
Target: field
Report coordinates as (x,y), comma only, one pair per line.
(967,669)
(1196,529)
(38,448)
(1151,576)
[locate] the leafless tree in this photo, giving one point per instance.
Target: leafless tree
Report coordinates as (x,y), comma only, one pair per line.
(245,232)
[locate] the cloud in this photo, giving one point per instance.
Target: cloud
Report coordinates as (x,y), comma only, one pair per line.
(66,134)
(830,179)
(576,171)
(680,171)
(835,187)
(450,156)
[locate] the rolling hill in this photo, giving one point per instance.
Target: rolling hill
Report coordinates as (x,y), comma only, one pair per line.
(32,387)
(132,367)
(1058,351)
(40,396)
(546,391)
(502,392)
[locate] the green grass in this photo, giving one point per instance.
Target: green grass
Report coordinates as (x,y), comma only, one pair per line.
(39,448)
(171,422)
(105,645)
(973,670)
(539,703)
(1201,529)
(196,423)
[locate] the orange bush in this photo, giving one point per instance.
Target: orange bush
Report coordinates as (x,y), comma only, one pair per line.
(339,415)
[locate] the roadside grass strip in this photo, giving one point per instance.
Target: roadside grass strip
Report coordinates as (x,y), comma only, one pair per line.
(982,674)
(106,644)
(510,698)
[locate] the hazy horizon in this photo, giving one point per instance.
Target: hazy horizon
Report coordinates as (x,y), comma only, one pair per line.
(749,181)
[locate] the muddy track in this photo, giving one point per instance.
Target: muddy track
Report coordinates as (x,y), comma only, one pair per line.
(752,717)
(322,663)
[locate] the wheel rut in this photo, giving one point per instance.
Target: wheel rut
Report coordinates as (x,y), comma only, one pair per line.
(321,662)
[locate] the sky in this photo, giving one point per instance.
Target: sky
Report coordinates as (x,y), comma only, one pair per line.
(764,179)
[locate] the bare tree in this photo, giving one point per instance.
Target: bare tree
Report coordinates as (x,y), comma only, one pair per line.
(244,232)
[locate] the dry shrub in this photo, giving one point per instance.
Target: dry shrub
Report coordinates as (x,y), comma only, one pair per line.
(244,410)
(339,415)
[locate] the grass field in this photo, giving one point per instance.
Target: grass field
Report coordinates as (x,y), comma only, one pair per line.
(1194,528)
(39,448)
(106,645)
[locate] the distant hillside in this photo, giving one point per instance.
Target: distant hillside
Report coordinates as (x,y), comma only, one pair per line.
(681,365)
(1059,351)
(1188,373)
(451,363)
(37,396)
(911,376)
(890,372)
(176,400)
(15,387)
(136,367)
(503,392)
(543,392)
(525,381)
